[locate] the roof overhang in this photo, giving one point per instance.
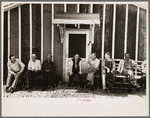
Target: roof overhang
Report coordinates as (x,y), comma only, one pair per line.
(11,6)
(76,18)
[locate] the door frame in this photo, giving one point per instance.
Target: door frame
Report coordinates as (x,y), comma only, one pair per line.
(68,31)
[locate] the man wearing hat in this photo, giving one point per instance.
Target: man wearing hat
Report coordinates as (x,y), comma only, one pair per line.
(48,68)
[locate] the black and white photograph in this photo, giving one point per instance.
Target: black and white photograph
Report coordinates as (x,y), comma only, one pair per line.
(74,58)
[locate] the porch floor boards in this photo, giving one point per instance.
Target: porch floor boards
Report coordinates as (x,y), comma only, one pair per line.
(63,92)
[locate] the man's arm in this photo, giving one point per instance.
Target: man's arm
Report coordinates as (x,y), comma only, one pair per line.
(80,67)
(43,67)
(71,64)
(114,66)
(96,65)
(9,69)
(22,66)
(29,65)
(39,65)
(120,66)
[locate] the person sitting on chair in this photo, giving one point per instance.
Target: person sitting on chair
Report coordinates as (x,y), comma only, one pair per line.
(93,64)
(34,69)
(142,81)
(125,67)
(75,69)
(15,69)
(109,65)
(48,68)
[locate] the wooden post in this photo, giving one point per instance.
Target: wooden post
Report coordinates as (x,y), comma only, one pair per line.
(30,30)
(65,8)
(137,35)
(8,34)
(19,9)
(114,26)
(126,29)
(103,33)
(52,43)
(41,32)
(78,8)
(91,9)
(103,39)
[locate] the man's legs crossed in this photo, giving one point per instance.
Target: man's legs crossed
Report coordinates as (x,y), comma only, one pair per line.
(8,82)
(15,82)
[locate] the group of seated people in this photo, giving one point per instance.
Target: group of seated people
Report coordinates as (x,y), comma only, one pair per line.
(125,67)
(16,69)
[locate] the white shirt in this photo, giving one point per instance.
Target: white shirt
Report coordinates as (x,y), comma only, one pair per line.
(95,62)
(36,65)
(16,66)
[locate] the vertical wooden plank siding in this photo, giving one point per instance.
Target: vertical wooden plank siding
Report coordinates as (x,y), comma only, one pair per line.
(97,46)
(36,30)
(142,35)
(5,46)
(108,28)
(120,31)
(14,32)
(47,30)
(71,8)
(131,35)
(25,34)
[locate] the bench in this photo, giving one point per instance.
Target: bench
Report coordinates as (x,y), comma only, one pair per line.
(137,73)
(137,68)
(22,81)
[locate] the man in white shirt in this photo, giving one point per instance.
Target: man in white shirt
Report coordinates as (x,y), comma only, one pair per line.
(34,69)
(93,67)
(15,69)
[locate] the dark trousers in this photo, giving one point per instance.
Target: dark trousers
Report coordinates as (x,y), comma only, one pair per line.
(48,79)
(71,79)
(142,81)
(111,77)
(31,77)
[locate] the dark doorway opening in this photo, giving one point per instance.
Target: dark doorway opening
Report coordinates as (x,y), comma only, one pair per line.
(77,45)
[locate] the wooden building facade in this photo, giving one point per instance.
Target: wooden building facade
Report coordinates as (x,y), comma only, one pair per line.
(64,29)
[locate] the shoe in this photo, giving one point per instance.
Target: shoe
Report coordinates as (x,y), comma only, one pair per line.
(12,90)
(44,88)
(7,90)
